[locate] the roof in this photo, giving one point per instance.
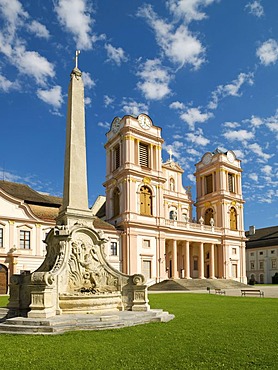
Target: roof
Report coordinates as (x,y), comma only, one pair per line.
(30,196)
(265,237)
(45,207)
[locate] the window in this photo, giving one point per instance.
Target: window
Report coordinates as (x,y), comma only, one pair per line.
(208,184)
(117,157)
(261,278)
(1,237)
(146,243)
(252,254)
(261,253)
(184,216)
(113,249)
(273,264)
(24,239)
(231,182)
(172,184)
(233,219)
(234,250)
(173,215)
(146,268)
(272,252)
(144,154)
(261,264)
(145,201)
(116,202)
(195,263)
(252,265)
(208,216)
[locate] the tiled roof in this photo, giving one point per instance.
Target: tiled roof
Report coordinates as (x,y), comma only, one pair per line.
(267,236)
(30,196)
(45,207)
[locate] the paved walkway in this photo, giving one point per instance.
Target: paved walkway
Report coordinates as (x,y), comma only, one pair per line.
(269,291)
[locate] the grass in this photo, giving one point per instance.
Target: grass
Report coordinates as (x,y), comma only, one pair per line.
(209,332)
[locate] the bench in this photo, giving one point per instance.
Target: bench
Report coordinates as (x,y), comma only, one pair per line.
(220,291)
(245,292)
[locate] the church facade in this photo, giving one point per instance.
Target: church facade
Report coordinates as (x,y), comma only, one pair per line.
(152,210)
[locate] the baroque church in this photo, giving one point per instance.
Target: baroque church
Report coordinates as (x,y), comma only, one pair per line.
(146,215)
(148,204)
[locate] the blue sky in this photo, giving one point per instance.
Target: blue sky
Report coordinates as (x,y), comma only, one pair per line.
(204,70)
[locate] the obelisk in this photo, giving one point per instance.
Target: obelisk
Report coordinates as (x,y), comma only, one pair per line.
(75,197)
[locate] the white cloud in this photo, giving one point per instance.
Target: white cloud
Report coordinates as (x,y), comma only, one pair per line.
(253,176)
(33,64)
(155,80)
(88,82)
(256,148)
(255,8)
(268,52)
(256,121)
(194,115)
(38,29)
(108,101)
(116,55)
(189,10)
(75,16)
(267,170)
(176,105)
(130,106)
(87,101)
(193,152)
(178,44)
(231,124)
(239,135)
(13,14)
(105,125)
(197,138)
(52,96)
(231,89)
(191,177)
(272,123)
(7,85)
(239,154)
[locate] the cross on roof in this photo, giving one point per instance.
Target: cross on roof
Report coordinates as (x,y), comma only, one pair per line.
(77,52)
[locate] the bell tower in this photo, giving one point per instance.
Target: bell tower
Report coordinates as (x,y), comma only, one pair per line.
(133,169)
(219,195)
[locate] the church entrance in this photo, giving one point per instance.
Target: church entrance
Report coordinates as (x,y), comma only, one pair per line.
(3,279)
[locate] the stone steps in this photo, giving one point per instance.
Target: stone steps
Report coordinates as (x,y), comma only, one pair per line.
(196,284)
(63,323)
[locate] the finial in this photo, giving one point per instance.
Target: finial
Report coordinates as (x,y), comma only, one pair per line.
(171,154)
(77,52)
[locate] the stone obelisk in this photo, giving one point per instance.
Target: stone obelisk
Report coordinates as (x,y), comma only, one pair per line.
(75,196)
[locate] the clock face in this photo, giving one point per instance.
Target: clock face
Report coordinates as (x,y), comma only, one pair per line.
(207,158)
(116,124)
(144,122)
(230,156)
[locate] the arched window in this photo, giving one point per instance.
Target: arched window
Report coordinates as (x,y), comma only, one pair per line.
(173,215)
(145,201)
(233,219)
(172,184)
(116,202)
(261,278)
(208,216)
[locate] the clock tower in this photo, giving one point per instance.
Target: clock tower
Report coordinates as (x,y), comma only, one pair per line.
(219,194)
(134,181)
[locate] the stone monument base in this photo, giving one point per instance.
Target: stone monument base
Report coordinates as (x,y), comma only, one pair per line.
(71,322)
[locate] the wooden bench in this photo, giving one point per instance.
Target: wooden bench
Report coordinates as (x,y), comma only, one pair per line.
(245,292)
(220,291)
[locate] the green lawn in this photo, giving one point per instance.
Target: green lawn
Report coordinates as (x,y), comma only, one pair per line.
(209,332)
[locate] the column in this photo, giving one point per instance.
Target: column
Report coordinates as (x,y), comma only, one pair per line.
(187,261)
(211,262)
(201,261)
(174,260)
